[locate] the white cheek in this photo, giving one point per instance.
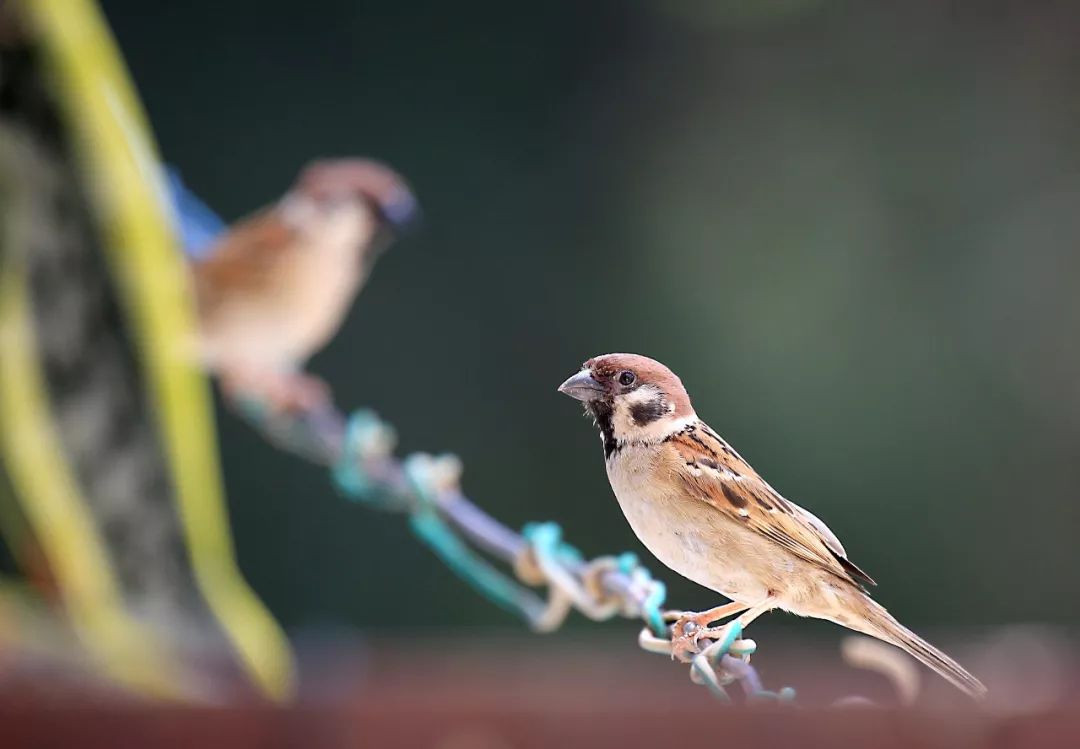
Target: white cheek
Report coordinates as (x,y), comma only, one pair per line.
(346,224)
(343,224)
(626,429)
(625,426)
(297,210)
(644,394)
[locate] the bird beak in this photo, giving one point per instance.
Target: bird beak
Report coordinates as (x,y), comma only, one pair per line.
(582,387)
(401,211)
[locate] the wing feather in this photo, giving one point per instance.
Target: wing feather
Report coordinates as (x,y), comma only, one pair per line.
(243,260)
(714,472)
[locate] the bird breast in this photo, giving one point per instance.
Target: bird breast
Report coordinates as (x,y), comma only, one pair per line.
(300,301)
(328,271)
(690,536)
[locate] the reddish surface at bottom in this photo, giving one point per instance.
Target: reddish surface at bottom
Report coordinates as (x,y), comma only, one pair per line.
(520,693)
(381,723)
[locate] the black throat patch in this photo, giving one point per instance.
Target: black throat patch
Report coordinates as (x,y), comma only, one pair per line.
(603,413)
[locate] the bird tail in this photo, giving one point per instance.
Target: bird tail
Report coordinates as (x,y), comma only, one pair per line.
(879,623)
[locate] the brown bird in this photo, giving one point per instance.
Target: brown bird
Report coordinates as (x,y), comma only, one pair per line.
(705,513)
(276,287)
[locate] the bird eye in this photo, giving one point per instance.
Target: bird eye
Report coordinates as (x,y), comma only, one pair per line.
(626,378)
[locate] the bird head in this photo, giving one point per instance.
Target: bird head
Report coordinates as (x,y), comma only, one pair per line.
(632,398)
(333,183)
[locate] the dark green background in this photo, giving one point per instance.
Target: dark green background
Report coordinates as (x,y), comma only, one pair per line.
(850,227)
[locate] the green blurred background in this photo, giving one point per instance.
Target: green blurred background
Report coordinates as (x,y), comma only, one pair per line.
(850,227)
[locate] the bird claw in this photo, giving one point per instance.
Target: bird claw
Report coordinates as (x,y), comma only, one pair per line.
(302,393)
(282,393)
(685,633)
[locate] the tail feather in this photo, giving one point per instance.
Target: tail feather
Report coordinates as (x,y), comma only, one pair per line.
(881,624)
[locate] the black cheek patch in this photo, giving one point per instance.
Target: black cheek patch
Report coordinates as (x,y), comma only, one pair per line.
(648,412)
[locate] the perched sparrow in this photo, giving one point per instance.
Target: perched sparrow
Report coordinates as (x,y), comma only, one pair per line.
(275,288)
(705,513)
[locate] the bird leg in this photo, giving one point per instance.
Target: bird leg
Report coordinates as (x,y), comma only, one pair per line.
(688,628)
(750,614)
(755,611)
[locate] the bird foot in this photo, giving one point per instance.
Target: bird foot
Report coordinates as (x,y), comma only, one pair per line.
(282,393)
(691,626)
(685,633)
(305,393)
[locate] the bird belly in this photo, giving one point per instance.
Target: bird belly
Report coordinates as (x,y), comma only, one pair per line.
(280,325)
(692,539)
(320,296)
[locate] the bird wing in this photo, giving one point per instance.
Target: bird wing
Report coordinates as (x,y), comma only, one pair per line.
(243,259)
(716,474)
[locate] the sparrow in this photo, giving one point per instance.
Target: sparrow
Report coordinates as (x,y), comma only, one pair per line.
(701,510)
(275,287)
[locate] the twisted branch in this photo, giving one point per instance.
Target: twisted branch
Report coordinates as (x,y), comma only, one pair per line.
(359,450)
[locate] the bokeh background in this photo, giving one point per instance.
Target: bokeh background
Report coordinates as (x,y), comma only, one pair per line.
(850,227)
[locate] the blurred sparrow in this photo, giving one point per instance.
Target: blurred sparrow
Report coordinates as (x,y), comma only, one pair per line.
(705,513)
(275,288)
